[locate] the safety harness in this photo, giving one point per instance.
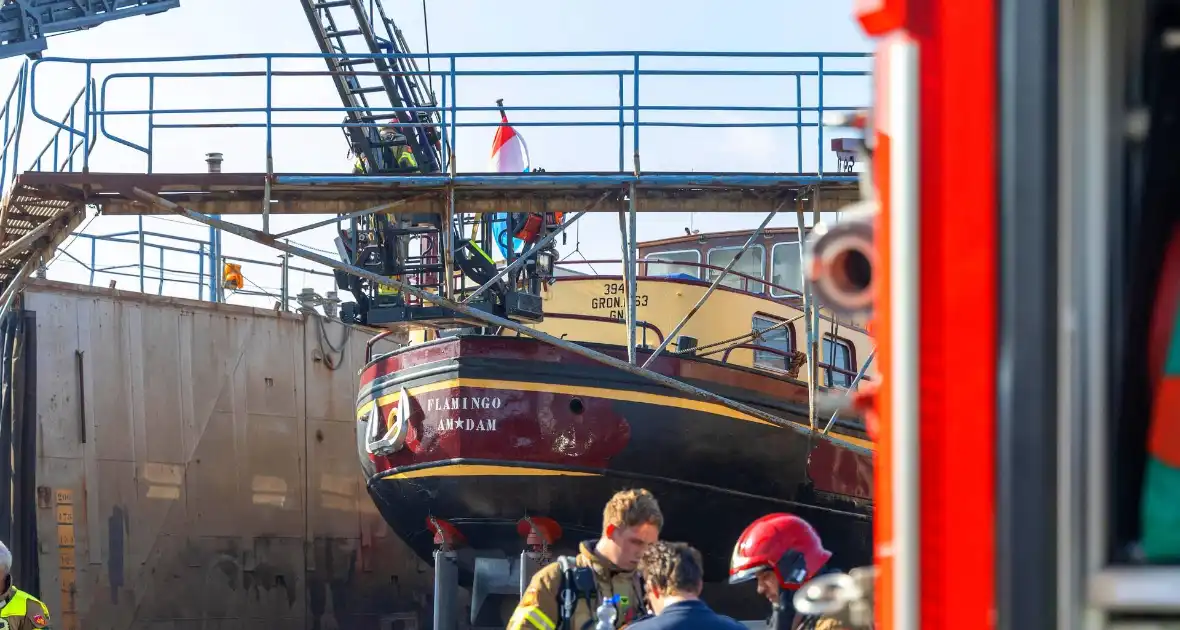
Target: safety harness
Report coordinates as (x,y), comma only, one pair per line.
(579,583)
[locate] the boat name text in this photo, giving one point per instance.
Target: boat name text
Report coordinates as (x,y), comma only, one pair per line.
(463,403)
(467,424)
(614,300)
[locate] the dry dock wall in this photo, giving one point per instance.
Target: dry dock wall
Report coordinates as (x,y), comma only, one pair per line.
(197,470)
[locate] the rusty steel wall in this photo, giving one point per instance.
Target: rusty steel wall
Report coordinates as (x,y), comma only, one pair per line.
(197,470)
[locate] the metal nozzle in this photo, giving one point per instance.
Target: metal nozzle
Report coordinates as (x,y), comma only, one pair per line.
(841,261)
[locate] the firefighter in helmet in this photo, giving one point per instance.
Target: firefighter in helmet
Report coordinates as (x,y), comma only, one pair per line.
(394,150)
(398,154)
(782,552)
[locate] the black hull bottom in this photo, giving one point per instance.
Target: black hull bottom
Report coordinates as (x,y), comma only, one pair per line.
(486,506)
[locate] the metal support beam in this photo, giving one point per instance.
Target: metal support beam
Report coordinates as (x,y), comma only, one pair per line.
(463,309)
(713,287)
(626,262)
(351,215)
(36,259)
(633,263)
(808,321)
(27,240)
(446,244)
(864,368)
(536,248)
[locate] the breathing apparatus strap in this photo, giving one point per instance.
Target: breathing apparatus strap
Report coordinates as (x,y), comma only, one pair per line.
(568,595)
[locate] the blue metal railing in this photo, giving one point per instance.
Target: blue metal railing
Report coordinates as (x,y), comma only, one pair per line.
(626,99)
(163,275)
(13,119)
(633,74)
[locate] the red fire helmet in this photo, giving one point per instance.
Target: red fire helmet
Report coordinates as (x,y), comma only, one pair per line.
(783,543)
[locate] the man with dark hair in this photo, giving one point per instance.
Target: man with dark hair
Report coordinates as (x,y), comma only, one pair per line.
(673,580)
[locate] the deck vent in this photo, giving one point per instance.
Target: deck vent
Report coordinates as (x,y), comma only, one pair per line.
(214,162)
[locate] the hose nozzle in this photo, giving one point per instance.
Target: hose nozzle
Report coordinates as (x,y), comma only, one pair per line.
(841,261)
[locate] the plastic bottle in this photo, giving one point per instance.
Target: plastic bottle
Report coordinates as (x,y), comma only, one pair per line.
(607,613)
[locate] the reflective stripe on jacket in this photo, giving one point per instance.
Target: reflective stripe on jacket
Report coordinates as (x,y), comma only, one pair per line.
(21,611)
(540,604)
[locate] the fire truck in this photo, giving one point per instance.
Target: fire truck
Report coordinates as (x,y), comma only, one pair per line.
(1023,187)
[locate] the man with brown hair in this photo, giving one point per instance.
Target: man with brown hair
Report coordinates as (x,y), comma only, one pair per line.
(567,593)
(674,578)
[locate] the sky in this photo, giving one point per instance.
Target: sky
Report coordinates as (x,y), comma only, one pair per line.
(212,27)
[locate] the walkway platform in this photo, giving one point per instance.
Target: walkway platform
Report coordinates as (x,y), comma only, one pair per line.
(233,193)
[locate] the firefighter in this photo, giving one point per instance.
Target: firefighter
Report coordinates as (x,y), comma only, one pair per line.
(397,152)
(781,551)
(18,609)
(568,593)
(395,149)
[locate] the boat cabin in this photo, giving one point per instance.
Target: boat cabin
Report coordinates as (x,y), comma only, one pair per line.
(753,320)
(761,293)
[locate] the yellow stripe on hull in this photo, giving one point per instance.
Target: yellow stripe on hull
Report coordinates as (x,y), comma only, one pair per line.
(624,395)
(473,470)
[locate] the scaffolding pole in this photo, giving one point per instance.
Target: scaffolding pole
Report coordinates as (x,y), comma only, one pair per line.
(864,368)
(808,321)
(716,283)
(463,309)
(633,250)
(625,252)
(351,215)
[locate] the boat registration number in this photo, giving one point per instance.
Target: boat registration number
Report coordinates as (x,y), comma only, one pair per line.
(614,300)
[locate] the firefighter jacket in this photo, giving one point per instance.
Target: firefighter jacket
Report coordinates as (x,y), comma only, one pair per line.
(540,607)
(405,158)
(21,611)
(817,623)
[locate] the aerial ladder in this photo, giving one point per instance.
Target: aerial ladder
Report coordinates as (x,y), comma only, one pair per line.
(25,24)
(381,89)
(360,43)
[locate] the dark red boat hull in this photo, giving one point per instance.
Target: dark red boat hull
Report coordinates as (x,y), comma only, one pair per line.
(501,428)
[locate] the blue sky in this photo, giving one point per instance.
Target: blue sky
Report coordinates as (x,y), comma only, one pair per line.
(202,27)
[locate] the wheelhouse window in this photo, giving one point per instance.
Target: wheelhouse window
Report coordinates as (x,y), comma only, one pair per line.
(781,338)
(838,353)
(753,263)
(684,261)
(785,269)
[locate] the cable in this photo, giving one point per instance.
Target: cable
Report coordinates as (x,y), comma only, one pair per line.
(338,362)
(426,28)
(73,237)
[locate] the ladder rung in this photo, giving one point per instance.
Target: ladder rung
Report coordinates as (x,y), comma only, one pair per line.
(331,4)
(357,62)
(355,31)
(367,90)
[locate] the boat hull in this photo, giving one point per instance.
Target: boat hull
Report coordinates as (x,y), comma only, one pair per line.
(500,428)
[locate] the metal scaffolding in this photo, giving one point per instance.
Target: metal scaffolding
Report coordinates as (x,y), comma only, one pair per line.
(265,238)
(74,183)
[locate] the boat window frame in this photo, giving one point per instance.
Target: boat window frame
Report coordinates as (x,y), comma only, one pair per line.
(764,282)
(828,374)
(649,255)
(792,339)
(774,292)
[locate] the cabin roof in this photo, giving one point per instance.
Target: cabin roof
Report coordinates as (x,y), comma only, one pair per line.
(690,238)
